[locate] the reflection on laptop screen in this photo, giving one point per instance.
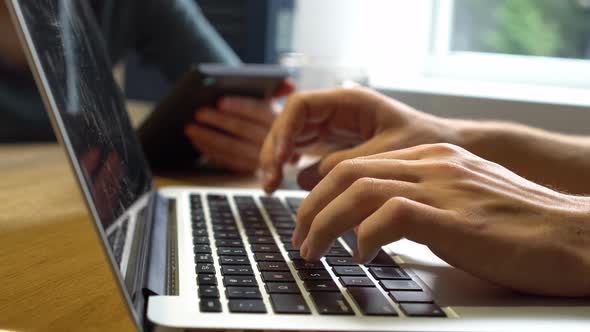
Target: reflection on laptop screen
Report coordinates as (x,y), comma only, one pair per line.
(91,108)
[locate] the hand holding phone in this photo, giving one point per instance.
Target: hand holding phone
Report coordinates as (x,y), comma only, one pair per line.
(232,133)
(221,111)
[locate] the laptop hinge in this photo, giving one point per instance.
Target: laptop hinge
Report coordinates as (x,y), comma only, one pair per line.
(152,270)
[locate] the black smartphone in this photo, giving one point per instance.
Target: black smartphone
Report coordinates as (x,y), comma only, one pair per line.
(162,133)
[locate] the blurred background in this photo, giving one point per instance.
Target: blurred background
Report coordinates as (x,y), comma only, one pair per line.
(490,40)
(474,58)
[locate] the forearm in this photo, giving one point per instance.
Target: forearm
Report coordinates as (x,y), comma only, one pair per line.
(559,161)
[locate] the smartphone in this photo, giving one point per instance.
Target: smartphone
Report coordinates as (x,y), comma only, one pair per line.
(162,132)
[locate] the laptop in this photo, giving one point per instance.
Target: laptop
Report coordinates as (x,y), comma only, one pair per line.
(221,258)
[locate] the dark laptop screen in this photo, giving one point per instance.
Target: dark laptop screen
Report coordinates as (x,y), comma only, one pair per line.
(88,104)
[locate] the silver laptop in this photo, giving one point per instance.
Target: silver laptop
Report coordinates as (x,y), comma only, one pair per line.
(220,258)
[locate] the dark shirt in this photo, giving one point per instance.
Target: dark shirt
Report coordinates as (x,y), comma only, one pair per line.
(170,34)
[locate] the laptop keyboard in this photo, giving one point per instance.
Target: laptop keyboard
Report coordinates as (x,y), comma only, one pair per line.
(251,262)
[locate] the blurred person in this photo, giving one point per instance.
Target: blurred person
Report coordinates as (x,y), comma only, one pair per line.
(171,34)
(502,201)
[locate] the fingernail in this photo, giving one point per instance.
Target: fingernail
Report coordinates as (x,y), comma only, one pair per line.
(295,240)
(304,249)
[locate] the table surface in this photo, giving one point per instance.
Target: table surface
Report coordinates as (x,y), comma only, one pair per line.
(53,273)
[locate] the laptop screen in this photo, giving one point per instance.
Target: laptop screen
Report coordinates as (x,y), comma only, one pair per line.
(87,104)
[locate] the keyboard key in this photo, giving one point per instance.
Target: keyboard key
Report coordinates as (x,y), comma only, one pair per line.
(354,271)
(273,266)
(422,310)
(234,260)
(231,251)
(295,255)
(320,285)
(411,296)
(229,243)
(223,221)
(289,304)
(340,261)
(200,232)
(216,198)
(331,303)
(241,281)
(314,275)
(247,306)
(404,285)
(285,238)
(268,257)
(382,259)
(202,249)
(301,264)
(284,225)
(225,228)
(290,247)
(337,253)
(206,280)
(203,258)
(261,240)
(265,248)
(208,291)
(205,268)
(357,282)
(236,270)
(199,224)
(226,235)
(388,273)
(277,276)
(282,287)
(286,232)
(210,305)
(201,240)
(371,301)
(243,293)
(257,232)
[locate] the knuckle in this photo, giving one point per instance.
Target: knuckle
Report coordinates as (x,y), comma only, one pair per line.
(398,208)
(445,148)
(346,169)
(363,188)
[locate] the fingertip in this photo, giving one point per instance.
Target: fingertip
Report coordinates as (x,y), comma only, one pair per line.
(304,250)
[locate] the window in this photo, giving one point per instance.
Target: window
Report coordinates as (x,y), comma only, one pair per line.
(534,50)
(542,42)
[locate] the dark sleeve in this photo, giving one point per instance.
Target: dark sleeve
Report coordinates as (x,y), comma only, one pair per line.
(170,34)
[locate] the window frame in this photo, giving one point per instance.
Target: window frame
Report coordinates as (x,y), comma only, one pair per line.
(443,62)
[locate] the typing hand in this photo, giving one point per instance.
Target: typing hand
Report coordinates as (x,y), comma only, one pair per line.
(231,135)
(474,214)
(360,119)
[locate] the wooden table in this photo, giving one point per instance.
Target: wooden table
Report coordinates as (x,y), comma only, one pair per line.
(53,275)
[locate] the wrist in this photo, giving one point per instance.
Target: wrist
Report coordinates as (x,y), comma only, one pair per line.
(465,133)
